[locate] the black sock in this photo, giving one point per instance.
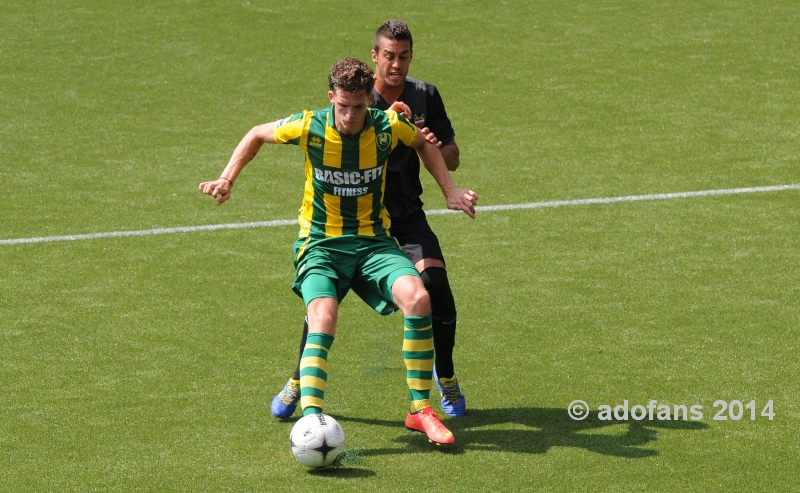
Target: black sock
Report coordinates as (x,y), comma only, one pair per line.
(443,341)
(296,375)
(443,311)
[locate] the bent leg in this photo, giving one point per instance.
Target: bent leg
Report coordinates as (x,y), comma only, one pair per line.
(410,295)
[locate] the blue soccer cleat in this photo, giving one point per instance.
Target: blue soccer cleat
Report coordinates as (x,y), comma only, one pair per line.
(453,401)
(284,404)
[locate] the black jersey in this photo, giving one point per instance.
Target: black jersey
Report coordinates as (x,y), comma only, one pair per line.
(403,187)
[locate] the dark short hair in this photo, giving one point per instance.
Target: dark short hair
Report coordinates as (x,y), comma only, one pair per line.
(351,75)
(396,30)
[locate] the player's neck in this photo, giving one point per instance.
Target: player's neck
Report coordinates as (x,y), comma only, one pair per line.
(387,92)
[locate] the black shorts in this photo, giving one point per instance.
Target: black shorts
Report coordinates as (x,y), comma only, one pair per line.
(416,238)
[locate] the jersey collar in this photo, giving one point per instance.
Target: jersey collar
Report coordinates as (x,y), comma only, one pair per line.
(330,121)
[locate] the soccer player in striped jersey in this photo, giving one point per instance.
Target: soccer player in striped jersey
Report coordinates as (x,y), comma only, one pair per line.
(392,54)
(343,241)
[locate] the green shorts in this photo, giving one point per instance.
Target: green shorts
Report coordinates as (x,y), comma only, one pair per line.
(330,267)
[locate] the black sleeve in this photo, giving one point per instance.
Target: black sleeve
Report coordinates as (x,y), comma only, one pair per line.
(437,119)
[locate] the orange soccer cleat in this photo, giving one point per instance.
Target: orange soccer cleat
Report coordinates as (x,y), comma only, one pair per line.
(426,421)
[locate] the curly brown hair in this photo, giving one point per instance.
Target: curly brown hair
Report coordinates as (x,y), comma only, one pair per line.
(351,75)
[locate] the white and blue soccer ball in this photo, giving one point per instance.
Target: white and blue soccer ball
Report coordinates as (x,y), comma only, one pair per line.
(317,440)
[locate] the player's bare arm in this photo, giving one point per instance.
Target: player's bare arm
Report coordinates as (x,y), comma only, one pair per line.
(450,151)
(451,155)
(244,153)
(457,198)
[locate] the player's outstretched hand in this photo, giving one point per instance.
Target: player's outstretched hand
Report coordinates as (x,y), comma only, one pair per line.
(463,200)
(218,188)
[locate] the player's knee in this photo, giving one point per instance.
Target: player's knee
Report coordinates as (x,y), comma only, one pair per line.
(419,302)
(412,298)
(322,314)
(443,305)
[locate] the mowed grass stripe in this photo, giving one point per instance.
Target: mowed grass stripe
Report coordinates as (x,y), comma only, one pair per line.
(488,208)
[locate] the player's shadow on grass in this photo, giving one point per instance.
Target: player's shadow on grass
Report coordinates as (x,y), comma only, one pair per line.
(536,430)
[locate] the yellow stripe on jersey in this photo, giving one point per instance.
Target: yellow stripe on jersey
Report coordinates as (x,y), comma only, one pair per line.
(334,221)
(367,153)
(401,131)
(333,148)
(288,130)
(364,215)
(298,129)
(307,208)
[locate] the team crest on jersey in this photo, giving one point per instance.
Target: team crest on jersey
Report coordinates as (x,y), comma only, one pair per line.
(419,120)
(384,140)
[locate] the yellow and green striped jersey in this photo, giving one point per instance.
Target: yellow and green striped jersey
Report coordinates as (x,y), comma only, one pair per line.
(345,175)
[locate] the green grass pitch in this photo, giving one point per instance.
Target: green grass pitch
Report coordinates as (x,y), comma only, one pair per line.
(147,363)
